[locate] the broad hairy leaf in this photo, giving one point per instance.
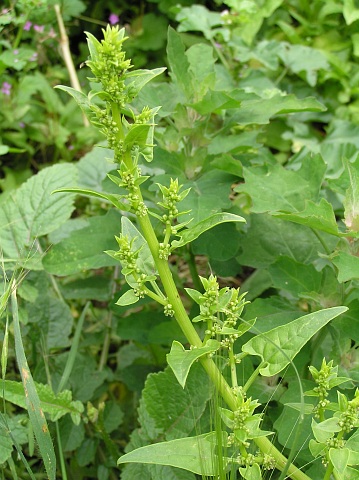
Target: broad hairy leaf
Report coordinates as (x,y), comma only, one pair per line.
(181,360)
(178,61)
(31,211)
(193,232)
(55,405)
(84,249)
(277,189)
(279,346)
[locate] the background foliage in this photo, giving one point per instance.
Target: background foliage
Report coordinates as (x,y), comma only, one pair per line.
(259,118)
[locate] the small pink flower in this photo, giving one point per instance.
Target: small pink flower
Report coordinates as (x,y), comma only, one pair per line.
(39,28)
(33,57)
(113,19)
(27,25)
(21,124)
(52,33)
(71,147)
(6,88)
(16,52)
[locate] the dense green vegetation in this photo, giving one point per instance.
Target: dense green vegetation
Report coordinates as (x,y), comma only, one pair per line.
(189,304)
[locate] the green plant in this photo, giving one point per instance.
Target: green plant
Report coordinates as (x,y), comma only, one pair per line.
(144,261)
(225,132)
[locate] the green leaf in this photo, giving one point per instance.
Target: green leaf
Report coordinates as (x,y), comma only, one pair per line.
(201,60)
(178,62)
(31,211)
(145,260)
(55,405)
(293,56)
(278,189)
(317,449)
(128,298)
(350,12)
(279,346)
(259,110)
(220,243)
(168,410)
(137,79)
(234,143)
(294,277)
(93,168)
(198,18)
(80,98)
(181,360)
(347,265)
(351,201)
(137,134)
(353,445)
(196,454)
(110,197)
(339,458)
(268,238)
(50,317)
(318,216)
(209,194)
(195,231)
(84,249)
(251,473)
(32,401)
(324,430)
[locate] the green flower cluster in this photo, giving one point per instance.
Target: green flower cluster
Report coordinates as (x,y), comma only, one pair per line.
(109,64)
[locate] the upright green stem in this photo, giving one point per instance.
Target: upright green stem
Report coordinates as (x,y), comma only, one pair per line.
(184,321)
(192,336)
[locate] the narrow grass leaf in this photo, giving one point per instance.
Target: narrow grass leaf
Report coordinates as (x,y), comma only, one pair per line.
(4,350)
(110,197)
(37,417)
(73,350)
(55,405)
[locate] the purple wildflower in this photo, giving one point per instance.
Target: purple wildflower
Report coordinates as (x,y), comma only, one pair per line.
(113,19)
(16,52)
(33,57)
(21,124)
(6,88)
(27,25)
(39,28)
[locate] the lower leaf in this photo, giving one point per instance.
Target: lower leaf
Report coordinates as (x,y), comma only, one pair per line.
(196,454)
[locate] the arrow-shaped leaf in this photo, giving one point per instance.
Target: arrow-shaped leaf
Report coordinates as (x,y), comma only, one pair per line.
(194,232)
(279,346)
(181,360)
(195,454)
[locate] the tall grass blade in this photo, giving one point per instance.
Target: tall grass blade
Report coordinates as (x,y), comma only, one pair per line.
(73,351)
(37,417)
